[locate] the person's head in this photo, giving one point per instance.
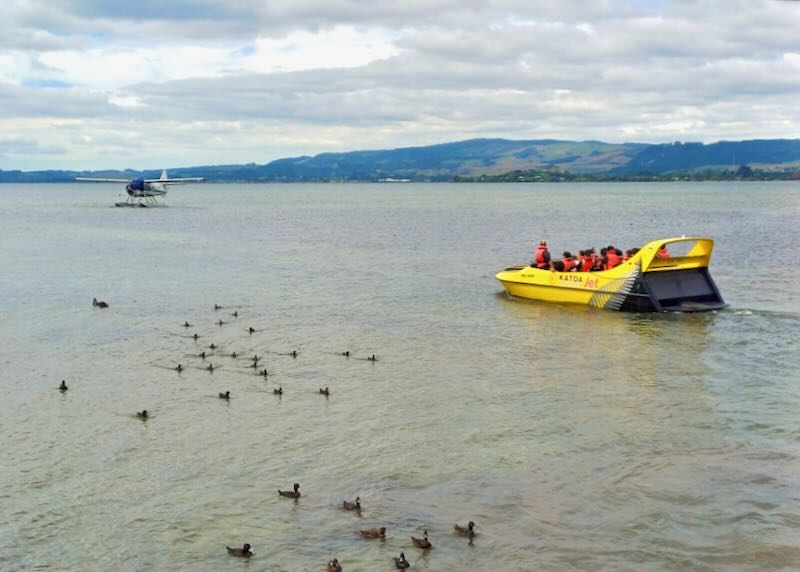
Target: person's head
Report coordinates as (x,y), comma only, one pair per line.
(618,251)
(542,243)
(603,251)
(567,254)
(611,247)
(582,252)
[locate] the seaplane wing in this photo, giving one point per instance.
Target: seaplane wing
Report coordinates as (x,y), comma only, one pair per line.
(101,180)
(174,181)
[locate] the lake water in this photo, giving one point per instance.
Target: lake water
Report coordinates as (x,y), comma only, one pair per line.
(576,439)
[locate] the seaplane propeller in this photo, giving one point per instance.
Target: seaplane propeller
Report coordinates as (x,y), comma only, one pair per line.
(143,192)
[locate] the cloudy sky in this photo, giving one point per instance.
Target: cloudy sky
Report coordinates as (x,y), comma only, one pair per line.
(151,83)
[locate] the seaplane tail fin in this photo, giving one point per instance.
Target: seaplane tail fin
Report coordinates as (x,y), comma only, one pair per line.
(164,175)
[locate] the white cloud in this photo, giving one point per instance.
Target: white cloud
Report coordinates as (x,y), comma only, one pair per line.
(238,81)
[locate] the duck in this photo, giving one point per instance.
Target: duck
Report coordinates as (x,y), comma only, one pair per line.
(63,386)
(374,533)
(468,530)
(142,414)
(187,325)
(99,303)
(278,391)
(254,365)
(295,494)
(226,396)
(217,307)
(334,566)
(326,392)
(212,346)
(401,563)
(256,357)
(251,330)
(220,322)
(179,368)
(233,355)
(202,355)
(195,336)
(235,314)
(243,552)
(354,505)
(210,367)
(263,372)
(423,542)
(372,358)
(346,354)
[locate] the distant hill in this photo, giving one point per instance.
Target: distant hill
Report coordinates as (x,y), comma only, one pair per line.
(482,157)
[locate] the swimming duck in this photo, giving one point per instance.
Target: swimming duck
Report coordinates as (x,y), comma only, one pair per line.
(235,314)
(63,386)
(278,391)
(254,365)
(243,552)
(372,358)
(233,354)
(468,530)
(256,357)
(195,336)
(263,372)
(99,304)
(423,542)
(217,307)
(220,322)
(210,367)
(401,563)
(346,354)
(295,494)
(354,505)
(142,414)
(179,368)
(334,566)
(324,392)
(202,355)
(212,347)
(251,330)
(187,325)
(374,533)
(226,396)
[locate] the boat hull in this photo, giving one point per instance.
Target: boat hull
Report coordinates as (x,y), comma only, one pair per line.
(644,283)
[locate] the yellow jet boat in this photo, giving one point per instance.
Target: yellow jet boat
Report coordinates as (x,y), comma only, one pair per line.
(644,283)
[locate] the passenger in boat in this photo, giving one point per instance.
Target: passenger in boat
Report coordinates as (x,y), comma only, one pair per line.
(541,258)
(568,261)
(586,261)
(630,253)
(612,258)
(663,252)
(597,260)
(558,266)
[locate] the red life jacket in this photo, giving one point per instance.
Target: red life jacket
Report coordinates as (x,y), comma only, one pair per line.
(613,259)
(587,264)
(568,263)
(662,252)
(540,261)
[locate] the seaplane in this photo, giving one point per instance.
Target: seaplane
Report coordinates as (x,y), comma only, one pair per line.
(143,192)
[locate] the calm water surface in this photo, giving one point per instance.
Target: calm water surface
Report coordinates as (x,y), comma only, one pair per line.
(576,439)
